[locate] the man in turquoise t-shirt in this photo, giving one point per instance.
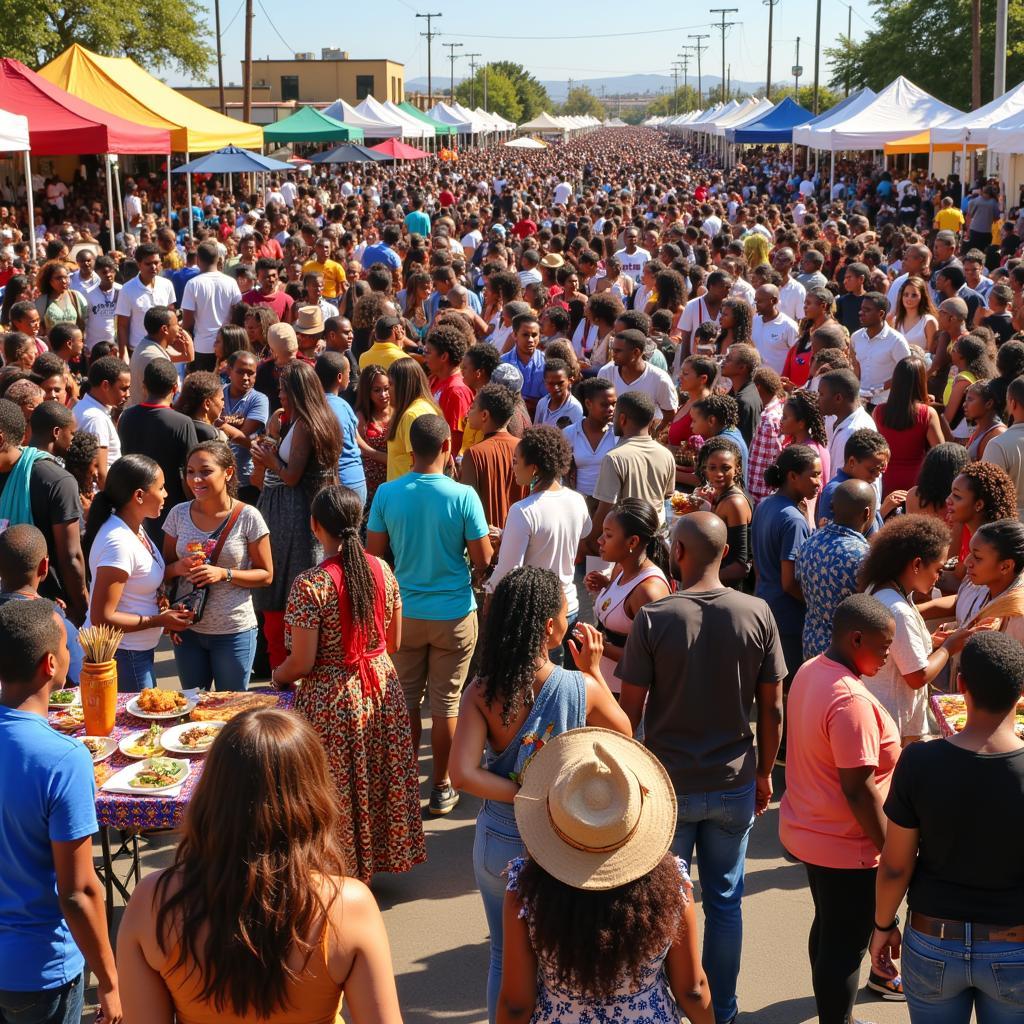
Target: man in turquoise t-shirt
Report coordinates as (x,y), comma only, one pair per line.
(430,521)
(416,221)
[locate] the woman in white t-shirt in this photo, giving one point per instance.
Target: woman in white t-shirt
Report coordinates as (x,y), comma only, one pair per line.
(127,568)
(592,438)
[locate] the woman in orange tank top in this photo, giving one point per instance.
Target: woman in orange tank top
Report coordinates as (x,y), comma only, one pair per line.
(255,919)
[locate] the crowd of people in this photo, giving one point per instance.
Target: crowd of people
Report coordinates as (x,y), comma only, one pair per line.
(572,446)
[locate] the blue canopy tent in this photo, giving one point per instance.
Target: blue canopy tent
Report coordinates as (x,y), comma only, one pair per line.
(232,160)
(775,127)
(348,153)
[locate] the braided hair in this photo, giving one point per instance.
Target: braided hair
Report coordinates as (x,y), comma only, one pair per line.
(639,518)
(515,636)
(339,511)
(804,406)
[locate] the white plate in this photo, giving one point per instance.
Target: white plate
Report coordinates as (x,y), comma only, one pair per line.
(130,739)
(132,707)
(119,783)
(171,738)
(76,703)
(109,746)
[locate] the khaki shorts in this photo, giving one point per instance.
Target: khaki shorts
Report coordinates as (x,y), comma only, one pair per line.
(434,657)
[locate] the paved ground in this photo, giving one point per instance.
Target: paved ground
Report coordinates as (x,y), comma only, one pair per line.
(438,934)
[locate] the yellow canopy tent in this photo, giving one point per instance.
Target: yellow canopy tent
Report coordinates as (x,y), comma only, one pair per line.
(921,143)
(119,85)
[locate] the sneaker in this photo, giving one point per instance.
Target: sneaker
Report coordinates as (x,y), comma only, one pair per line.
(443,799)
(888,988)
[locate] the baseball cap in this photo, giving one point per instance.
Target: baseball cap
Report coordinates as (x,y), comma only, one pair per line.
(385,325)
(509,375)
(498,229)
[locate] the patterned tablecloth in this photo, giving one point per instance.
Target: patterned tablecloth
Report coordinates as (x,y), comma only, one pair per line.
(948,707)
(139,812)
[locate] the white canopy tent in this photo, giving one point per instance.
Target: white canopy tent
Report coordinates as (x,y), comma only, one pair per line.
(975,126)
(525,142)
(14,139)
(372,128)
(413,128)
(389,127)
(833,116)
(440,111)
(544,124)
(478,125)
(749,110)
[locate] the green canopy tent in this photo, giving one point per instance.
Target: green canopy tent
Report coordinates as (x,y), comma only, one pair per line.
(308,124)
(439,127)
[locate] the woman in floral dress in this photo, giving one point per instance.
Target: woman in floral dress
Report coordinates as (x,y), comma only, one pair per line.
(344,619)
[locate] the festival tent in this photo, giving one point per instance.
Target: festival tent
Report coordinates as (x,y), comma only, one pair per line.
(412,128)
(525,142)
(393,149)
(119,84)
(13,133)
(846,106)
(308,124)
(440,111)
(477,124)
(749,110)
(348,153)
(544,124)
(440,127)
(372,128)
(232,160)
(718,113)
(388,126)
(776,126)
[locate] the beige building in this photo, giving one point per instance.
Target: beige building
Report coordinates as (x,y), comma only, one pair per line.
(307,79)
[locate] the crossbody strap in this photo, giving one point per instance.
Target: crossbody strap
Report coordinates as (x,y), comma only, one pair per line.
(224,531)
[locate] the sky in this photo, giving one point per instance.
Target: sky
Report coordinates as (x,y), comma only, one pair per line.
(579,40)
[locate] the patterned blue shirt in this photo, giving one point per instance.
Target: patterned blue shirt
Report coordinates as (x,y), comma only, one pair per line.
(826,566)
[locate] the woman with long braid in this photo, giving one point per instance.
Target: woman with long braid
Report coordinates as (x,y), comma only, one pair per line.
(517,703)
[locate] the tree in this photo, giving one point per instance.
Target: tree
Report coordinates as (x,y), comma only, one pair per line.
(714,95)
(580,100)
(930,42)
(155,33)
(826,97)
(501,94)
(533,97)
(671,103)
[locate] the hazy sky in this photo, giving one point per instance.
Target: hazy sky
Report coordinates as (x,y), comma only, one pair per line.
(576,40)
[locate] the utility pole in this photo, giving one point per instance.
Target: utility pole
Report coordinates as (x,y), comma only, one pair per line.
(452,47)
(817,54)
(797,72)
(220,60)
(975,54)
(471,57)
(700,46)
(722,26)
(999,79)
(771,5)
(429,36)
(849,45)
(675,88)
(486,66)
(247,66)
(684,58)
(728,80)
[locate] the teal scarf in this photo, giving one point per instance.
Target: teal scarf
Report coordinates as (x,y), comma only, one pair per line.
(15,503)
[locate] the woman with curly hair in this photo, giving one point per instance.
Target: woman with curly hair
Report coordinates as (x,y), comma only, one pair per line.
(544,529)
(520,701)
(735,322)
(969,355)
(819,304)
(593,936)
(718,416)
(720,468)
(903,564)
(982,493)
(1009,363)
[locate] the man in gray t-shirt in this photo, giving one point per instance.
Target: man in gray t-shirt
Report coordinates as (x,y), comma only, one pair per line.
(982,213)
(701,658)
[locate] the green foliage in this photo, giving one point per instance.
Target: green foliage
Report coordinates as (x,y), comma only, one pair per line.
(580,100)
(826,97)
(157,34)
(929,41)
(715,92)
(678,102)
(533,97)
(502,97)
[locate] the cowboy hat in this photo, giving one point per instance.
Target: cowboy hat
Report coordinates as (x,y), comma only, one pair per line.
(553,261)
(309,320)
(596,809)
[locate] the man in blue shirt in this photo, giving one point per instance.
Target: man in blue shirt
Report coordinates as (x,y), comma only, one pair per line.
(429,522)
(527,357)
(416,220)
(51,902)
(384,250)
(333,370)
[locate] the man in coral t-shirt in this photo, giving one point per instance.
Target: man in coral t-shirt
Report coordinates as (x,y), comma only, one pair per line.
(444,348)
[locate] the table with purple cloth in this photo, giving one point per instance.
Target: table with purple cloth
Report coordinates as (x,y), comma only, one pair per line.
(947,708)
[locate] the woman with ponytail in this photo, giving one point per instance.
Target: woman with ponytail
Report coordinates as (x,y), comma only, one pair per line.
(630,539)
(127,569)
(343,623)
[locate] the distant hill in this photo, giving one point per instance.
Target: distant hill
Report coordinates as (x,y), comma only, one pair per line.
(650,85)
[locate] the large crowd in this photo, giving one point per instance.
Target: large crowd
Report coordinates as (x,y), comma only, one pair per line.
(572,446)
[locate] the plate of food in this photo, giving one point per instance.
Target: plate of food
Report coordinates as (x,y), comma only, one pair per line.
(144,743)
(100,747)
(160,704)
(68,720)
(219,707)
(153,775)
(66,698)
(191,737)
(102,772)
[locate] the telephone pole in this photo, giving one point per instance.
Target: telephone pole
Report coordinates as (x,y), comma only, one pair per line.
(246,67)
(722,26)
(817,54)
(849,43)
(675,90)
(797,72)
(684,59)
(452,47)
(771,5)
(220,60)
(471,57)
(999,79)
(700,46)
(429,36)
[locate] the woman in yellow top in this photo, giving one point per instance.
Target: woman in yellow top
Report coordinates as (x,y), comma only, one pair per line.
(255,919)
(970,363)
(410,398)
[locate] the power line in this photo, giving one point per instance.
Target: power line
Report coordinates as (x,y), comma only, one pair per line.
(601,35)
(274,27)
(452,47)
(429,35)
(224,30)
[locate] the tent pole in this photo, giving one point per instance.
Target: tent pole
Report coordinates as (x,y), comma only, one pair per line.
(169,205)
(32,206)
(931,156)
(110,204)
(832,175)
(120,201)
(188,194)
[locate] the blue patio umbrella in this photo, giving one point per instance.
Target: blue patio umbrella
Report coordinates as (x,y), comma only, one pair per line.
(232,160)
(348,153)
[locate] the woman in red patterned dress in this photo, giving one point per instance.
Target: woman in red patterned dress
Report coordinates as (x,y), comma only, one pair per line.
(344,619)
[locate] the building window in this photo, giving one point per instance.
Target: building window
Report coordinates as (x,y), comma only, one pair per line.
(394,89)
(364,86)
(289,88)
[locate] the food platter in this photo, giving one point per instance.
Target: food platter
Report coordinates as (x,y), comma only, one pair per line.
(177,704)
(142,743)
(191,737)
(68,697)
(154,775)
(951,710)
(99,747)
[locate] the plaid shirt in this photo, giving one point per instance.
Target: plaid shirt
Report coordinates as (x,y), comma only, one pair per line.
(764,449)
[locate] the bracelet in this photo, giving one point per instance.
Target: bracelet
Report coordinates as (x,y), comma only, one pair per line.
(895,924)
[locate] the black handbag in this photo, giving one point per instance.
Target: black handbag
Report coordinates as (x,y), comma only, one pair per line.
(190,598)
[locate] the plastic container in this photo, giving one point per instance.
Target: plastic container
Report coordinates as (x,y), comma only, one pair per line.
(98,684)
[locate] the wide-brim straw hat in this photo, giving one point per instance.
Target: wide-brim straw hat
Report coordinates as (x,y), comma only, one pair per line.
(596,809)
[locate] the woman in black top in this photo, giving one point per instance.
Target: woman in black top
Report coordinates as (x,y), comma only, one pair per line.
(964,944)
(720,466)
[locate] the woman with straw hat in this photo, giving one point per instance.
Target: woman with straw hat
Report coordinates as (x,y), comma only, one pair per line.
(599,924)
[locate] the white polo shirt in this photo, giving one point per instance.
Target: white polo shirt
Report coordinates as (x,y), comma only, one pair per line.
(654,383)
(135,299)
(791,299)
(839,433)
(878,357)
(773,339)
(210,297)
(94,418)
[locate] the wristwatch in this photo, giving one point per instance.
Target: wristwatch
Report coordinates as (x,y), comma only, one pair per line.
(895,924)
(229,577)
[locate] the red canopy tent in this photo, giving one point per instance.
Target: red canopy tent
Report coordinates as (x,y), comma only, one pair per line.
(398,150)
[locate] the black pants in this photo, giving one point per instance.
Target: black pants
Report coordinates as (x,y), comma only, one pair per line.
(203,361)
(979,239)
(844,914)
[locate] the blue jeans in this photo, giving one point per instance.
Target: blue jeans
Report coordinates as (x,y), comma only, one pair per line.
(134,671)
(497,842)
(718,826)
(205,658)
(945,978)
(52,1006)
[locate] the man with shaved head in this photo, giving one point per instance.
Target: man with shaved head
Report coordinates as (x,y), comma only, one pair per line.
(772,332)
(829,560)
(701,658)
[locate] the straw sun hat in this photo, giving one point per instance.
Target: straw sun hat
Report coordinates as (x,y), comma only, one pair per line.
(596,809)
